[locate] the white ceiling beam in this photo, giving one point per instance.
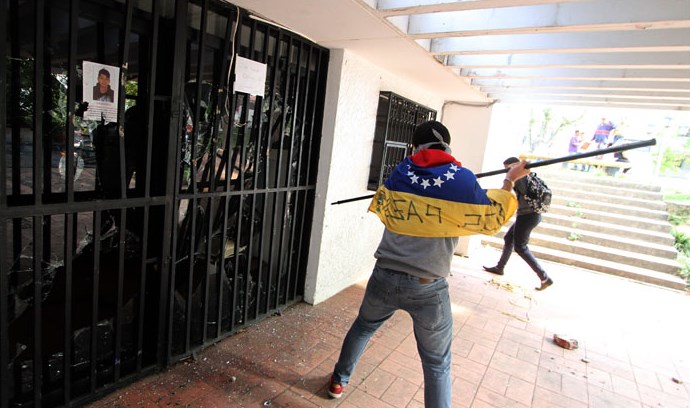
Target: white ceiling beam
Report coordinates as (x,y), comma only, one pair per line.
(670,75)
(675,60)
(640,94)
(650,40)
(401,7)
(496,92)
(603,104)
(608,86)
(580,100)
(610,15)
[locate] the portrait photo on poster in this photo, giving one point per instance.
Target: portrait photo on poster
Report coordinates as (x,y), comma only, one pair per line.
(100,89)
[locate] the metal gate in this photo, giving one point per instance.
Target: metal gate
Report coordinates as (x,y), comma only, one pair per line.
(180,216)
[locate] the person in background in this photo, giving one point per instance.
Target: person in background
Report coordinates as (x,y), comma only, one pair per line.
(574,148)
(603,133)
(618,157)
(517,236)
(442,201)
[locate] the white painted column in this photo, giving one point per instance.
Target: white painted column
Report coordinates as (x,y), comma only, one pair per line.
(469,133)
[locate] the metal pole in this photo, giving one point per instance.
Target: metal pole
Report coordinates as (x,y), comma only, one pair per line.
(627,146)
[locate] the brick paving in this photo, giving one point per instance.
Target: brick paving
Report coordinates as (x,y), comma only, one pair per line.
(634,342)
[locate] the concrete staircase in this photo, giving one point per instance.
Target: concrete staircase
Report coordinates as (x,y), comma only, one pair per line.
(605,224)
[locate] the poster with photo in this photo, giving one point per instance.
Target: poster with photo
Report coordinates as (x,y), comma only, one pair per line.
(101,84)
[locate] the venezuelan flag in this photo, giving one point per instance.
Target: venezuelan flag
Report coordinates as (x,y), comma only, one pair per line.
(430,194)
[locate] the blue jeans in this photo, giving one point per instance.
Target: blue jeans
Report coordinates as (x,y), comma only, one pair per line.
(518,237)
(429,306)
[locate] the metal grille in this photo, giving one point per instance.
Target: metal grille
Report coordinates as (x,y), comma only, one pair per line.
(126,245)
(396,120)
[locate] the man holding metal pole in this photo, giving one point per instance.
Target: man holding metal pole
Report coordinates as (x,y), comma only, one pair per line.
(426,204)
(518,234)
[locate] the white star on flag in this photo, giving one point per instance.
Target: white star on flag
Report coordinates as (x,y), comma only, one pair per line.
(414,179)
(425,183)
(449,175)
(454,167)
(438,181)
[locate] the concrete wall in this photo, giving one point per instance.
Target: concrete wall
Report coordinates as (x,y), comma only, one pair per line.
(344,237)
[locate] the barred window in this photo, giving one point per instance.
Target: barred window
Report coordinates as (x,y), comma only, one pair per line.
(396,120)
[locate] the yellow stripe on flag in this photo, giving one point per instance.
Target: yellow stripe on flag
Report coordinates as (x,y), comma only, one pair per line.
(411,214)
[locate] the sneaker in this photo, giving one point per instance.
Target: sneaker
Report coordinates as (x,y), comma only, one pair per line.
(545,284)
(493,269)
(335,390)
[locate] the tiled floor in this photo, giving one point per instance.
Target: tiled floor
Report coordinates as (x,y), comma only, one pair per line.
(634,350)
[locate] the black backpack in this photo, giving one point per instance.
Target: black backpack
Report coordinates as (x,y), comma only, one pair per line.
(538,195)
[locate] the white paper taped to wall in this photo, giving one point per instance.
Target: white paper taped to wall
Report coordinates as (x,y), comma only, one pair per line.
(250,76)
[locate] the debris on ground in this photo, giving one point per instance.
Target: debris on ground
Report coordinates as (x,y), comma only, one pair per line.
(502,285)
(522,319)
(677,380)
(565,342)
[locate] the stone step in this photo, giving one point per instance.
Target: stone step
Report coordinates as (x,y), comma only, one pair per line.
(570,193)
(604,252)
(600,265)
(643,234)
(657,225)
(589,179)
(610,208)
(626,242)
(604,190)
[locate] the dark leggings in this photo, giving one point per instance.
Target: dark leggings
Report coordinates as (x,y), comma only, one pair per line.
(518,237)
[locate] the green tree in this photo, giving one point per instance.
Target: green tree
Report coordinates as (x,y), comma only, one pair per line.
(544,126)
(674,159)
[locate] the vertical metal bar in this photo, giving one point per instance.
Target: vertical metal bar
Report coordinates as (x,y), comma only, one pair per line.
(276,67)
(168,291)
(70,219)
(290,228)
(297,233)
(14,88)
(221,98)
(274,75)
(38,327)
(124,68)
(319,69)
(259,152)
(172,184)
(38,102)
(209,164)
(190,273)
(4,266)
(247,271)
(286,98)
(71,98)
(211,208)
(147,177)
(143,271)
(97,221)
(122,230)
(221,267)
(236,271)
(258,113)
(300,162)
(295,114)
(297,237)
(4,271)
(151,96)
(277,218)
(197,107)
(238,227)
